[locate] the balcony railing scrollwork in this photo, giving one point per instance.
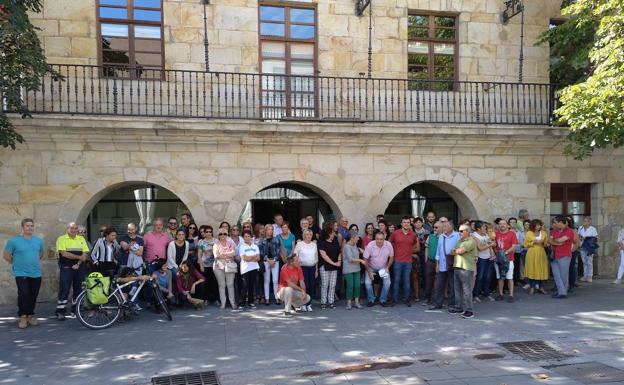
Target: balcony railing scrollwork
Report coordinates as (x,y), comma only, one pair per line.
(94,90)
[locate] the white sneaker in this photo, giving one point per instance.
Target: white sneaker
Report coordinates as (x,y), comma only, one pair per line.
(309,308)
(526,287)
(617,281)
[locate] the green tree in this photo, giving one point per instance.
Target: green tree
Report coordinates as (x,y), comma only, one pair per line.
(22,63)
(588,59)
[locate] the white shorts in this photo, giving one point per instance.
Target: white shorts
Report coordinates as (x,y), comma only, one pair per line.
(509,274)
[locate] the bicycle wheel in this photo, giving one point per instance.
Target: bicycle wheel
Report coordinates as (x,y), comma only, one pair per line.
(98,316)
(160,300)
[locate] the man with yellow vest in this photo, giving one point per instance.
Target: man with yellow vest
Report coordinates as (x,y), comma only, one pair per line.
(72,251)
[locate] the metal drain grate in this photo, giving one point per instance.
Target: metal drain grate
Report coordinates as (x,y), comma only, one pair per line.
(200,378)
(534,350)
(589,372)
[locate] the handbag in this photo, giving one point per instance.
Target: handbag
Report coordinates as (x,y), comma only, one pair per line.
(450,258)
(503,262)
(231,267)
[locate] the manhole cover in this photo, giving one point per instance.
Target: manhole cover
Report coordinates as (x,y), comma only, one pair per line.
(534,350)
(489,356)
(359,368)
(589,372)
(200,378)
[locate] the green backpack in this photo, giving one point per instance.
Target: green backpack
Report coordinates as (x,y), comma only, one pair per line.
(97,287)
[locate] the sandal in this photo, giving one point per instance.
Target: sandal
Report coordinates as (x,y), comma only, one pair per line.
(332,306)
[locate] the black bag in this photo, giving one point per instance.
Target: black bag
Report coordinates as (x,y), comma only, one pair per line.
(502,261)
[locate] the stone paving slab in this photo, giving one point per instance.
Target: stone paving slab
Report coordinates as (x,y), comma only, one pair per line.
(261,347)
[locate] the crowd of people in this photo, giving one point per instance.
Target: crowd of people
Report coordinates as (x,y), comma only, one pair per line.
(427,260)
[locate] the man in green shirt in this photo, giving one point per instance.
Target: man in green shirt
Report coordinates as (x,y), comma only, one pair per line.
(464,265)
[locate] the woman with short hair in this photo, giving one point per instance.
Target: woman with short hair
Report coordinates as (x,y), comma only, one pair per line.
(270,256)
(307,253)
(329,251)
(351,268)
(536,260)
(225,267)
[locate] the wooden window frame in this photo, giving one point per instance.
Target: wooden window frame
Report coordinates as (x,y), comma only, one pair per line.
(430,40)
(131,23)
(564,199)
(288,41)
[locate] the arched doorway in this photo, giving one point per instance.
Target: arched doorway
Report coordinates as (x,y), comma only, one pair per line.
(138,203)
(292,200)
(419,198)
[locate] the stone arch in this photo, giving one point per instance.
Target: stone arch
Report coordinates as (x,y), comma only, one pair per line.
(86,196)
(325,186)
(466,193)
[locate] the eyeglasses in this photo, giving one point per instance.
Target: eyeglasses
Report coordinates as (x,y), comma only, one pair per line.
(173,223)
(435,227)
(220,234)
(463,231)
(192,228)
(208,231)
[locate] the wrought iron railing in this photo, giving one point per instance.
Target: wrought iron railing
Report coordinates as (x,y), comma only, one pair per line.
(95,90)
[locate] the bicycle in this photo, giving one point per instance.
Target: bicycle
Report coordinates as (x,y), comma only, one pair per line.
(103,316)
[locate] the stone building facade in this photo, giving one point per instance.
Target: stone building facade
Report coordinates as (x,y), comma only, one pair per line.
(70,161)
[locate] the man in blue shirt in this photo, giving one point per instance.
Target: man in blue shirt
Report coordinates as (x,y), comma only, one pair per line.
(24,252)
(444,271)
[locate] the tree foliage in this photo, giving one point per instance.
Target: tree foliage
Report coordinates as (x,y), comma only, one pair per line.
(22,63)
(588,59)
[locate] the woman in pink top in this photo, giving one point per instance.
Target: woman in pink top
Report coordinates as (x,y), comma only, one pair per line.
(225,267)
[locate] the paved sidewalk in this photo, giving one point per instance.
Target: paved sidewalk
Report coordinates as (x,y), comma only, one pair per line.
(262,347)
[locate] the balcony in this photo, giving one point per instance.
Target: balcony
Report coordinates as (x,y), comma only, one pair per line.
(96,90)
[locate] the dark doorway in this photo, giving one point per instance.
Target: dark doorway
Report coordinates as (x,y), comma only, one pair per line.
(417,199)
(291,200)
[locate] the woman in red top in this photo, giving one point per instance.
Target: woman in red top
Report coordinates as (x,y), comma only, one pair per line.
(561,239)
(187,281)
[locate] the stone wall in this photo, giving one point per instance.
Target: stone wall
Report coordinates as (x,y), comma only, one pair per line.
(68,163)
(488,50)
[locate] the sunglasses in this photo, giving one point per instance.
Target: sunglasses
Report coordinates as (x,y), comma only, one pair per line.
(192,228)
(463,231)
(435,227)
(173,223)
(222,234)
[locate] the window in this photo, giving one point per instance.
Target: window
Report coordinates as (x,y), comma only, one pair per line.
(570,199)
(432,51)
(131,44)
(287,61)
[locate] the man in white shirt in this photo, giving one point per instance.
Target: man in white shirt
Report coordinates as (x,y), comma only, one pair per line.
(589,243)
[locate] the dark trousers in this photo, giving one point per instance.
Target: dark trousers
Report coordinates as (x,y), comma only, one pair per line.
(429,278)
(248,290)
(147,291)
(69,279)
(442,278)
(573,269)
(482,283)
(211,288)
(309,280)
(27,292)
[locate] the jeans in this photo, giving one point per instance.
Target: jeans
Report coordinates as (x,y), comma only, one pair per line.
(620,272)
(271,273)
(561,274)
(369,287)
(588,264)
(248,292)
(442,278)
(226,280)
(463,289)
(27,292)
(402,274)
(309,279)
(69,279)
(352,283)
(482,284)
(429,278)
